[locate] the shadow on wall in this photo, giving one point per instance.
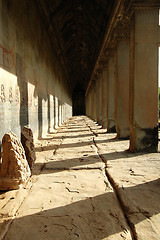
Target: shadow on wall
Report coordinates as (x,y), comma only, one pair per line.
(78,100)
(19,51)
(23,89)
(24,121)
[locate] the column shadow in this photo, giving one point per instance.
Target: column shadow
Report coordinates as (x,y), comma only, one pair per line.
(95,217)
(23,89)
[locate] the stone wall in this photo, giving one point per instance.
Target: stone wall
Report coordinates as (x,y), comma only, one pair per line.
(31,77)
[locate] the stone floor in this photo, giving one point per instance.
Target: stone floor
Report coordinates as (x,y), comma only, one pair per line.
(85,185)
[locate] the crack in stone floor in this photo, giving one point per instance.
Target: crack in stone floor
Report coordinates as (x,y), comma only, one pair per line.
(70,197)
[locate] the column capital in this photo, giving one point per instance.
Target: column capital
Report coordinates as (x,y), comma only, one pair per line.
(132,5)
(121,30)
(97,73)
(104,64)
(121,34)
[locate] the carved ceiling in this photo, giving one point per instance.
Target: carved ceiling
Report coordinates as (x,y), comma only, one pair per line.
(77,29)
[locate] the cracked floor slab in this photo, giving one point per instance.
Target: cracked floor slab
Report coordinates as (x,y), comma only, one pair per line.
(70,205)
(70,196)
(135,178)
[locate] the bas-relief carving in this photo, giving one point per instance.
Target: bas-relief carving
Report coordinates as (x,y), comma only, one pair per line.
(30,100)
(43,102)
(1,56)
(35,100)
(17,97)
(10,95)
(3,96)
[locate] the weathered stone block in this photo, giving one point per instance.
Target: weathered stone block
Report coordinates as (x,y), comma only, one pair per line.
(14,168)
(28,144)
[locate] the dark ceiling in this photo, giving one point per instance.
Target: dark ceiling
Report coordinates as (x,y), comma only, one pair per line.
(77,28)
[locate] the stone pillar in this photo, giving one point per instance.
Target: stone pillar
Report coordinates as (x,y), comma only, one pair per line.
(56,111)
(59,113)
(92,106)
(50,113)
(100,103)
(93,102)
(122,90)
(44,117)
(110,94)
(62,111)
(90,103)
(97,102)
(86,100)
(144,80)
(104,97)
(86,105)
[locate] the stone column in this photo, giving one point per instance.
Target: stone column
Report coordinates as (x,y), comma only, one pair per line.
(90,103)
(97,101)
(87,105)
(144,80)
(59,113)
(50,113)
(104,96)
(62,112)
(94,103)
(100,103)
(110,94)
(122,90)
(56,111)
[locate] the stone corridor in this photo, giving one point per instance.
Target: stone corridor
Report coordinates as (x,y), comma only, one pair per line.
(85,185)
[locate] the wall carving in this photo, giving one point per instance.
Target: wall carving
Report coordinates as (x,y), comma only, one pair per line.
(3,96)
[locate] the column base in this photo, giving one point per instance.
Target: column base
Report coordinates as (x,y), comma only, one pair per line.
(144,140)
(124,133)
(111,126)
(100,122)
(104,123)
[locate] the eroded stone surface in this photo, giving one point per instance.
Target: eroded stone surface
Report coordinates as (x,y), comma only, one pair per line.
(28,144)
(71,197)
(14,168)
(136,180)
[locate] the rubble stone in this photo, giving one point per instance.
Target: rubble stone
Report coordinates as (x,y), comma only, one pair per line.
(14,168)
(28,144)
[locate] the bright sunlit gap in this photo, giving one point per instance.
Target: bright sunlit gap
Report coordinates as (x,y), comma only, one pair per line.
(159,57)
(159,66)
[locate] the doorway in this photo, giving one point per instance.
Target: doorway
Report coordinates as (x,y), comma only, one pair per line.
(78,99)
